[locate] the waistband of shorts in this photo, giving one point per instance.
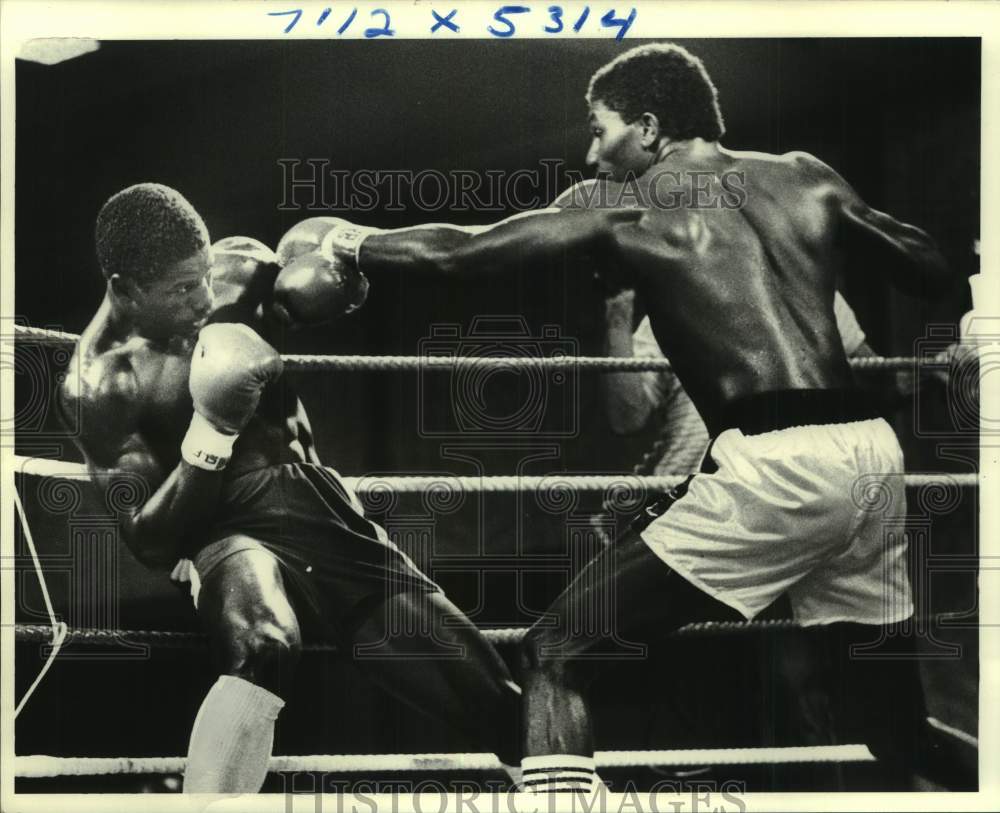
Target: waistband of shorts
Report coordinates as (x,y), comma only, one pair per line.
(782,409)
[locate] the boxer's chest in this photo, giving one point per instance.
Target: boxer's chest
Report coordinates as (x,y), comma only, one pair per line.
(167,408)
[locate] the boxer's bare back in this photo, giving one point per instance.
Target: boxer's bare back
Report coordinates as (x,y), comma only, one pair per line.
(738,277)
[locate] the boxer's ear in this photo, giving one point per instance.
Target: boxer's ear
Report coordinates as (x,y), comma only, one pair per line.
(122,288)
(650,130)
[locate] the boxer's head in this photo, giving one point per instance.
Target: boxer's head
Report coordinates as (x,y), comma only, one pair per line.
(153,248)
(645,95)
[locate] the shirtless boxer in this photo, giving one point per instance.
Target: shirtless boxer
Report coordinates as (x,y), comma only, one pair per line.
(740,297)
(180,393)
(655,399)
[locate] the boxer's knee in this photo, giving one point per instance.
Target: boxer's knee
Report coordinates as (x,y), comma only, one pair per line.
(263,650)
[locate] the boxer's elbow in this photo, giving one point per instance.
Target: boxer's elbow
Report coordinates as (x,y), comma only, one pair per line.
(625,424)
(149,547)
(920,267)
(938,277)
(925,271)
(626,415)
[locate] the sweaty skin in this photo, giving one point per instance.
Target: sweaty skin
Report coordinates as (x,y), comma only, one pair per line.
(740,296)
(734,257)
(134,406)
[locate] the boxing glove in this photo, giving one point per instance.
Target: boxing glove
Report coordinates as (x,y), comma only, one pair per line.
(304,237)
(318,287)
(230,367)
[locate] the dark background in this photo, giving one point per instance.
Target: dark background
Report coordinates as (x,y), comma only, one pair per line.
(899,118)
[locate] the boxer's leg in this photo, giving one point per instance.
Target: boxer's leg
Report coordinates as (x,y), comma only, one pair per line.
(255,639)
(422,649)
(646,598)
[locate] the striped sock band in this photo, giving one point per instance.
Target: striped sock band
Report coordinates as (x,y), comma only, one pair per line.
(557,773)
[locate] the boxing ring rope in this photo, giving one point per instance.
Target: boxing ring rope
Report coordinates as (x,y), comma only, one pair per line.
(172,639)
(309,363)
(410,484)
(40,766)
(56,632)
(43,467)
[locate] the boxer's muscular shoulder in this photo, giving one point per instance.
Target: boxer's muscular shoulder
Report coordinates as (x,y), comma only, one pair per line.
(242,281)
(105,394)
(665,238)
(798,163)
(797,178)
(819,176)
(243,275)
(113,376)
(593,193)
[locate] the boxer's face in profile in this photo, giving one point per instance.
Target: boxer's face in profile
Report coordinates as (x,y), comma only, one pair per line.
(616,147)
(176,302)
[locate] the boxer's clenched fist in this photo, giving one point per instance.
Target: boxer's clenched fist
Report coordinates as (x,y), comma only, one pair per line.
(230,367)
(320,285)
(304,237)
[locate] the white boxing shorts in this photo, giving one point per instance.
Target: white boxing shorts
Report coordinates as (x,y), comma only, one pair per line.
(816,511)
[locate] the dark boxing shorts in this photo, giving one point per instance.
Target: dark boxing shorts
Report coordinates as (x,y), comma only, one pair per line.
(334,561)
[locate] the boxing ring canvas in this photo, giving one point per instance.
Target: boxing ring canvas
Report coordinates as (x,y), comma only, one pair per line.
(468,420)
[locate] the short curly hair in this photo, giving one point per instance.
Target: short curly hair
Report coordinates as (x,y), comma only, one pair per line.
(666,80)
(144,229)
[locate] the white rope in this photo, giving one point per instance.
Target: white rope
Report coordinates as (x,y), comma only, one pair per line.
(423,363)
(500,636)
(43,467)
(37,766)
(58,627)
(957,733)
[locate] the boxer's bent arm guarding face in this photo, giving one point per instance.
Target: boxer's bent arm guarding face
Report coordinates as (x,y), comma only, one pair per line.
(116,453)
(546,234)
(906,255)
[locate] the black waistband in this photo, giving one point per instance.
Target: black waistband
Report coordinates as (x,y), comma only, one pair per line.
(781,409)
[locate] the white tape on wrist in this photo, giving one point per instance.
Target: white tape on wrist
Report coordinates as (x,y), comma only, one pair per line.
(205,447)
(347,238)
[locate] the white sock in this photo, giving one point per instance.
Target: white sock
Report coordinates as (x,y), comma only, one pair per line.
(513,773)
(232,737)
(556,773)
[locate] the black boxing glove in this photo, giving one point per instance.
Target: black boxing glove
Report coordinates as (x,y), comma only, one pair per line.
(324,284)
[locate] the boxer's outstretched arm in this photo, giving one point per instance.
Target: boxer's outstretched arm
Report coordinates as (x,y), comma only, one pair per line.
(539,236)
